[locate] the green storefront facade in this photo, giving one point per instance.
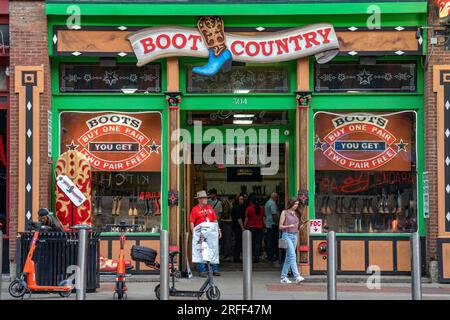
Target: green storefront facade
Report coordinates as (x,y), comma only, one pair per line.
(362,241)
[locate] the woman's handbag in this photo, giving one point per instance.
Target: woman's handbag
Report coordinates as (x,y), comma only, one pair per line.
(282,243)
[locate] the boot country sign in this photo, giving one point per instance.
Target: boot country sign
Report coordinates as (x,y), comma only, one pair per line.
(210,41)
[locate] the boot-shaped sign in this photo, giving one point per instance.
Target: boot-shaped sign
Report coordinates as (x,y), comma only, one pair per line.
(210,41)
(73,189)
(213,34)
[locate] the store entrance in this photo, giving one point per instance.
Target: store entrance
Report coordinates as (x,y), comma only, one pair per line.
(229,182)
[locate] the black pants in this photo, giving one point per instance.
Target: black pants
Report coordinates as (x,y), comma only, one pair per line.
(237,231)
(257,235)
(272,243)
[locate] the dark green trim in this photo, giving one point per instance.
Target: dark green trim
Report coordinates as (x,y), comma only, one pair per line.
(243,9)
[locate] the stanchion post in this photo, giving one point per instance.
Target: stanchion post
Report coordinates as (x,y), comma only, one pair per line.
(164,267)
(247,259)
(331,266)
(82,262)
(416,281)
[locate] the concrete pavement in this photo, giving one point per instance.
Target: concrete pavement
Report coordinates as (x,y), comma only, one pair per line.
(266,286)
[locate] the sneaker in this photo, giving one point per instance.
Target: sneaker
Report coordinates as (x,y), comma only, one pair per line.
(299,279)
(285,280)
(202,275)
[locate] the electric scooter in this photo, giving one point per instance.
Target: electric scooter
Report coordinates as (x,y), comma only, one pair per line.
(208,287)
(26,283)
(120,290)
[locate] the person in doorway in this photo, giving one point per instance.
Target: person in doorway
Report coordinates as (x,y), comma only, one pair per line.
(254,221)
(215,203)
(203,212)
(289,226)
(227,231)
(272,215)
(237,224)
(49,220)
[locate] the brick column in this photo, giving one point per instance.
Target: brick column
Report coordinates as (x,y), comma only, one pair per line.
(29,47)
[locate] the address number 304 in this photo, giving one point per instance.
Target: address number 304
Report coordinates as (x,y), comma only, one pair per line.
(239,101)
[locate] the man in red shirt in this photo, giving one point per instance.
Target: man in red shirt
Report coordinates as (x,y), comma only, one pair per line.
(203,212)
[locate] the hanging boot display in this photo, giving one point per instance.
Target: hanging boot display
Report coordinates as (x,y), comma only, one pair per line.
(212,31)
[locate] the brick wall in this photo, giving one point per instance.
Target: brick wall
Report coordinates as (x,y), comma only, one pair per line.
(438,56)
(29,47)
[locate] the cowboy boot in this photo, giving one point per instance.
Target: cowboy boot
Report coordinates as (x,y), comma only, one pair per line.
(370,205)
(213,34)
(99,208)
(119,202)
(114,204)
(322,205)
(328,206)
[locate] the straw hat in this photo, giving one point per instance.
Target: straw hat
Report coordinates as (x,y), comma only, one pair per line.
(201,194)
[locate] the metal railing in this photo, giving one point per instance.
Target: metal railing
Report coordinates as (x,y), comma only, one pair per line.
(247,264)
(331,266)
(164,265)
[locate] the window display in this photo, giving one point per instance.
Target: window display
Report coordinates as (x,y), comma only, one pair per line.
(124,150)
(356,77)
(365,171)
(240,79)
(122,77)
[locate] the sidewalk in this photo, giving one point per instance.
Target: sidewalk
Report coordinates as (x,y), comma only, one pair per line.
(266,287)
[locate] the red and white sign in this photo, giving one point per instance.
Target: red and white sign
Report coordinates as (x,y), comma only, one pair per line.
(315,226)
(159,42)
(113,141)
(70,190)
(364,141)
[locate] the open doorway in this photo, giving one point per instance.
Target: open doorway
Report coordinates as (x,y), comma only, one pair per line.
(230,181)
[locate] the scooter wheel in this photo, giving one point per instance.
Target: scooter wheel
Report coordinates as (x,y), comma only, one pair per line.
(158,292)
(17,289)
(64,294)
(120,290)
(213,293)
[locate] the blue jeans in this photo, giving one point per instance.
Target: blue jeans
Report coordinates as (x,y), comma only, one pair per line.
(201,267)
(291,258)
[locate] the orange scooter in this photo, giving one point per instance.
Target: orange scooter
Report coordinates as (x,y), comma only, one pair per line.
(120,290)
(27,280)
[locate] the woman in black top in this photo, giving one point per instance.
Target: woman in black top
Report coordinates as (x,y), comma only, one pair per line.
(237,217)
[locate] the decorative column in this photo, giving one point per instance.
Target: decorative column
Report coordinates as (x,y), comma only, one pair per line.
(303,97)
(173,98)
(441,85)
(29,84)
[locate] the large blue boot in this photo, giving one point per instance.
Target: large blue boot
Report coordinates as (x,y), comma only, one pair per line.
(215,63)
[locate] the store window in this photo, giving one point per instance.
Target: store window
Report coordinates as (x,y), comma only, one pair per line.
(4,73)
(365,171)
(4,38)
(240,79)
(3,171)
(119,77)
(377,76)
(124,150)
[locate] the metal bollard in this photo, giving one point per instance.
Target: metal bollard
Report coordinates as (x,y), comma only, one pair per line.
(1,260)
(247,260)
(331,266)
(82,262)
(416,284)
(164,266)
